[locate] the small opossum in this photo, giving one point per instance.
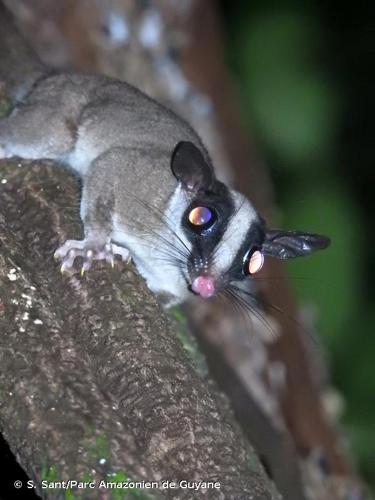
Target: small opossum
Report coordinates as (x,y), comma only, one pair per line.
(149,189)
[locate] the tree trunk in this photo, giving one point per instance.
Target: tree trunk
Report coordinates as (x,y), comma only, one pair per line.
(94,381)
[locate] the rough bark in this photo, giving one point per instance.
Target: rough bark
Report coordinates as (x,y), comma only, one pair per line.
(94,383)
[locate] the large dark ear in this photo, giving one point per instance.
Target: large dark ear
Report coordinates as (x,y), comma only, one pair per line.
(289,244)
(190,168)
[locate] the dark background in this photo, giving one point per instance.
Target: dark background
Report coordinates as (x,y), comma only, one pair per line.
(304,72)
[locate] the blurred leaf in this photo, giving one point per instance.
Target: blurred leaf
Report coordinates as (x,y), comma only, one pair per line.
(295,116)
(275,38)
(354,369)
(362,442)
(289,99)
(330,279)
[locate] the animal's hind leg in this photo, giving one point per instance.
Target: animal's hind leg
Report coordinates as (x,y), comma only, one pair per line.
(35,133)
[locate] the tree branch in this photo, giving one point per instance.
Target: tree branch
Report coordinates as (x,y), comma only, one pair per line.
(93,381)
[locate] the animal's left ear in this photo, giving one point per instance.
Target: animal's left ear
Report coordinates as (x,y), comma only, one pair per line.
(190,168)
(290,244)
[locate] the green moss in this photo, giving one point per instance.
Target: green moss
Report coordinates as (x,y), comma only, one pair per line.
(100,449)
(253,463)
(88,478)
(97,446)
(187,340)
(49,473)
(125,493)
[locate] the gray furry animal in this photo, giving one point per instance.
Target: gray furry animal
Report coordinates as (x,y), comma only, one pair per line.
(149,188)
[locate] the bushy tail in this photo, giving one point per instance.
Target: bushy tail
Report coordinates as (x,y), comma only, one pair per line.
(20,67)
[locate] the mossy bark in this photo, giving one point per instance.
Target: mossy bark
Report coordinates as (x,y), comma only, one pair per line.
(94,383)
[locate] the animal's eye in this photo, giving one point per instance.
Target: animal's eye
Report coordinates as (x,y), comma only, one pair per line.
(253,262)
(201,217)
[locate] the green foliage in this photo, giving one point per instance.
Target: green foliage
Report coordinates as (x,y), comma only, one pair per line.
(295,109)
(291,103)
(354,376)
(328,279)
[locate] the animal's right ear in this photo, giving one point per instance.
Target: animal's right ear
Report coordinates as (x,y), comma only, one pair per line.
(190,168)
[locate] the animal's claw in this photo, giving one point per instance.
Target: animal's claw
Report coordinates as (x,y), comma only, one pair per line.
(89,251)
(122,252)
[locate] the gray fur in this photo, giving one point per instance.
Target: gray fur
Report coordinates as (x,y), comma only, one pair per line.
(121,143)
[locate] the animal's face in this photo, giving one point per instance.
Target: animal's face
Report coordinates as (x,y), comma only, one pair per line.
(219,235)
(226,235)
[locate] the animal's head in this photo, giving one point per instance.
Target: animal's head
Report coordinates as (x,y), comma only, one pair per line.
(224,238)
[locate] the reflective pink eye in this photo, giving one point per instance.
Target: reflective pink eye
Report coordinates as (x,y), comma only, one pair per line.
(200,216)
(256,262)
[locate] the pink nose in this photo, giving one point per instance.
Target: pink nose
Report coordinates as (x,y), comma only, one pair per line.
(203,286)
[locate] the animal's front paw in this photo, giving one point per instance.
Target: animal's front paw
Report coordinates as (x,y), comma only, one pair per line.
(89,251)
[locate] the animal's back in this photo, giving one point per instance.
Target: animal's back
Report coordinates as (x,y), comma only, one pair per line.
(132,120)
